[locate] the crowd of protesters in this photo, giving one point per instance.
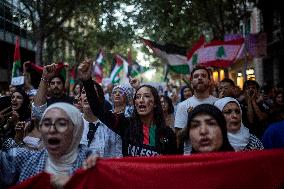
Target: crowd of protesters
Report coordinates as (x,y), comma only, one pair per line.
(46,129)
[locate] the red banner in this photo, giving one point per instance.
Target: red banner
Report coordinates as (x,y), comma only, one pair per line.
(255,169)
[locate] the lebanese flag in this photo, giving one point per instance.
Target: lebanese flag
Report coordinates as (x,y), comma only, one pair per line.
(17,59)
(174,55)
(98,66)
(215,53)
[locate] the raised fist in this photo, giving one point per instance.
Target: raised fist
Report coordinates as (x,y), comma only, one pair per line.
(49,71)
(85,69)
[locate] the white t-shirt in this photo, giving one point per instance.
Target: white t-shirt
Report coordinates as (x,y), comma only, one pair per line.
(182,109)
(105,143)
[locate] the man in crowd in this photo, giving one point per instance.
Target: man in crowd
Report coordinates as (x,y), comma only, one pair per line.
(201,82)
(50,79)
(254,115)
(226,88)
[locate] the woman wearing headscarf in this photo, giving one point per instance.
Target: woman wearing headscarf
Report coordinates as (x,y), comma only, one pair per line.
(238,135)
(206,131)
(145,132)
(121,97)
(61,128)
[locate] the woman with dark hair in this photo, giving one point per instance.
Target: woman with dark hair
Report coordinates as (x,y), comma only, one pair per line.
(185,92)
(168,110)
(21,112)
(145,132)
(206,131)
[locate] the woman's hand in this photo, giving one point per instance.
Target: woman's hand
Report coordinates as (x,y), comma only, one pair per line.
(85,69)
(134,82)
(90,162)
(20,131)
(58,181)
(14,117)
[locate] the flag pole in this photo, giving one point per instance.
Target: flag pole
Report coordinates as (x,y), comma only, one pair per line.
(246,44)
(166,74)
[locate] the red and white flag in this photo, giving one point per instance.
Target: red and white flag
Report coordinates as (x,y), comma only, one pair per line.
(215,53)
(98,66)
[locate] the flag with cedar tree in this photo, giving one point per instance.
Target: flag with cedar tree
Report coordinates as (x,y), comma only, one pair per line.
(215,53)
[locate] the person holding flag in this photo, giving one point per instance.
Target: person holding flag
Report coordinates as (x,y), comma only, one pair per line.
(50,78)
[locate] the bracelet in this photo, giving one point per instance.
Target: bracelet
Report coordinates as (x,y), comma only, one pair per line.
(44,79)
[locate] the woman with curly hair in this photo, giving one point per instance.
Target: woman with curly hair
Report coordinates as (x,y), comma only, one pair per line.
(145,132)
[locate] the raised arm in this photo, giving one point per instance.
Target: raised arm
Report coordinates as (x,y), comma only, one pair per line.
(48,72)
(97,106)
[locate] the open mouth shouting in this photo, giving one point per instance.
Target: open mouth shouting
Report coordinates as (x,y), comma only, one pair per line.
(53,144)
(141,108)
(15,105)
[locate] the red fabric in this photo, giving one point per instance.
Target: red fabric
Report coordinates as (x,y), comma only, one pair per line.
(35,67)
(118,60)
(255,169)
(258,169)
(232,42)
(146,130)
(40,181)
(196,46)
(17,50)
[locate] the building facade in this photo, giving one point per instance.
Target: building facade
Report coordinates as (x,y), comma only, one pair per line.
(273,26)
(14,21)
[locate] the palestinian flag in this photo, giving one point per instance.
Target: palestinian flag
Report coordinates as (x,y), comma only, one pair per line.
(119,69)
(35,72)
(17,59)
(98,66)
(174,55)
(216,53)
(135,69)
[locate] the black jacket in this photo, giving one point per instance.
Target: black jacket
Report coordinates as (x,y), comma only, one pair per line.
(130,131)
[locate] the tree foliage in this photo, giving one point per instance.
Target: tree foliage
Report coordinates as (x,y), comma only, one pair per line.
(82,27)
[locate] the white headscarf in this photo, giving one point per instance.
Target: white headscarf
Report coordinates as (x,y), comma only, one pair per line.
(240,139)
(64,164)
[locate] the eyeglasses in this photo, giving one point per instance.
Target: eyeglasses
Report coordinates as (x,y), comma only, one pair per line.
(60,125)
